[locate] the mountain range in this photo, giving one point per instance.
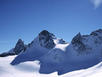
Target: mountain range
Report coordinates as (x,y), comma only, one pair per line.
(56,55)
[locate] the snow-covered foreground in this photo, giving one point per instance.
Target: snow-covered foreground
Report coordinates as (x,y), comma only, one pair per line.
(27,69)
(30,69)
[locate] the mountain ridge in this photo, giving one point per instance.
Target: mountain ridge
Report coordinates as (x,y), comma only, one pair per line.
(55,55)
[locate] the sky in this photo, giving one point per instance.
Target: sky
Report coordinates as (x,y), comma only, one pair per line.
(25,19)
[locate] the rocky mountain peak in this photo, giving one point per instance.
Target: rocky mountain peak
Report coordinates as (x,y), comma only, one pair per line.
(76,39)
(46,39)
(97,32)
(19,46)
(78,44)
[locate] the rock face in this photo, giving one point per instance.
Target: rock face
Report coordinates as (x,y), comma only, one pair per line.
(97,32)
(78,43)
(56,55)
(19,47)
(77,39)
(46,39)
(83,43)
(7,54)
(61,41)
(83,52)
(41,45)
(98,36)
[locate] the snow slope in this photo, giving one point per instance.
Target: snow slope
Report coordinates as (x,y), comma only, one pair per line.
(41,45)
(55,55)
(30,69)
(27,69)
(83,52)
(95,71)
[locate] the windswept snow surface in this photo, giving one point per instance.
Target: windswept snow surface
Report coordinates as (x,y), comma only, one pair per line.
(36,51)
(55,55)
(30,69)
(83,52)
(37,48)
(27,69)
(33,52)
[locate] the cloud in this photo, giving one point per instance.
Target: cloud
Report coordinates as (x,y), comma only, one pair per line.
(96,3)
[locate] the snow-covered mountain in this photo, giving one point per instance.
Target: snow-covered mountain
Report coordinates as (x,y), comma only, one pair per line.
(55,55)
(83,52)
(41,45)
(19,47)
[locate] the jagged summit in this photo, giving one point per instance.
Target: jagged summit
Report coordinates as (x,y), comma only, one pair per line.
(56,55)
(46,39)
(20,47)
(46,34)
(85,43)
(77,39)
(97,32)
(41,45)
(78,43)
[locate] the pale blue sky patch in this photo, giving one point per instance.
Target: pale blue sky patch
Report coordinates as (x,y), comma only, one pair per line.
(96,3)
(65,18)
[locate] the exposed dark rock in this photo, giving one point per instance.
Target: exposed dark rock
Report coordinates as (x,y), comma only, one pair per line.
(95,33)
(19,47)
(6,54)
(46,39)
(61,41)
(77,43)
(77,39)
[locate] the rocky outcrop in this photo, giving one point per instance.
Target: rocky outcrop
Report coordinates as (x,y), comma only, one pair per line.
(46,39)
